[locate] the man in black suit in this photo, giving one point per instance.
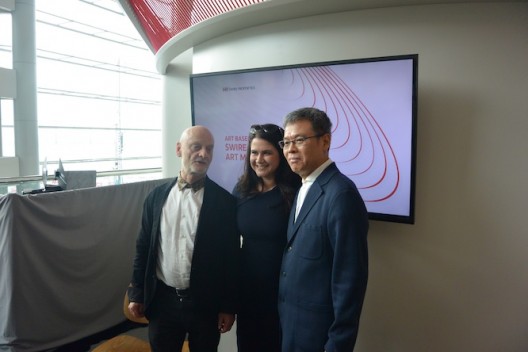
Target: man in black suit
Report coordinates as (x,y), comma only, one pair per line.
(185,270)
(325,264)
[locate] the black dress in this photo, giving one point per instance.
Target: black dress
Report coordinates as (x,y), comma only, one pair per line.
(262,221)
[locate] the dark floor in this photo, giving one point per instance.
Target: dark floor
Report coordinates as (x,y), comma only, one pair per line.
(85,344)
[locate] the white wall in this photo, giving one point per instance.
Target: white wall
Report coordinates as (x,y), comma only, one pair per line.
(456,280)
(176,110)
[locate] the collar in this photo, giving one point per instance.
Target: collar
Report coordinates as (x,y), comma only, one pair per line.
(311,178)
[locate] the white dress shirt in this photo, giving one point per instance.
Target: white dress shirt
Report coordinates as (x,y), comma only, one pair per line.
(307,183)
(179,221)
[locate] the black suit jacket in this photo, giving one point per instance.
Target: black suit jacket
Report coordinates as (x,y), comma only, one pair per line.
(214,268)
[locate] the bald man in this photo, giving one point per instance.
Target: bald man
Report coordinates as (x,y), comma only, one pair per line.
(185,271)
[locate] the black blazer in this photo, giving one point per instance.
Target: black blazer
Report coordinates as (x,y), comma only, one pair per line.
(214,268)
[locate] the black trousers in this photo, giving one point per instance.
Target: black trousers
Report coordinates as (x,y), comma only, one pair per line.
(172,318)
(258,333)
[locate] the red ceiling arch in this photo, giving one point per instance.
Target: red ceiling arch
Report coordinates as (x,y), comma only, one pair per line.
(161,20)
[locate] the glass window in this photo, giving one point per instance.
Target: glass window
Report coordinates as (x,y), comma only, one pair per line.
(6,42)
(98,93)
(6,128)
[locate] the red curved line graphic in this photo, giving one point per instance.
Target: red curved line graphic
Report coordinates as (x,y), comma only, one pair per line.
(331,93)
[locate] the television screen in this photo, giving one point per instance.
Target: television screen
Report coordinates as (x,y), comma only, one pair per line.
(372,105)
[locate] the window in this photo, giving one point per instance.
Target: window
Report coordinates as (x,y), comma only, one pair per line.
(6,57)
(7,132)
(97,89)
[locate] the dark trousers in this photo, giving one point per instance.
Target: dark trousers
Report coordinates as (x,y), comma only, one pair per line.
(172,318)
(258,333)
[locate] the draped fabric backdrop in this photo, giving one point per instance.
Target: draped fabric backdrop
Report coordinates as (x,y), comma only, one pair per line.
(65,263)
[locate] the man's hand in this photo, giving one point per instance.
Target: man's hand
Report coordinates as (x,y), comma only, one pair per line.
(225,322)
(137,310)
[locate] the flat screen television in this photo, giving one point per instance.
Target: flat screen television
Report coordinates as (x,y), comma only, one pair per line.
(372,103)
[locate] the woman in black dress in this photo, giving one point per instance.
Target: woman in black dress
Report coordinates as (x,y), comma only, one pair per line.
(265,193)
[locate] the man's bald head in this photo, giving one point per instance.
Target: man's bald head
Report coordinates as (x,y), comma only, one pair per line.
(196,150)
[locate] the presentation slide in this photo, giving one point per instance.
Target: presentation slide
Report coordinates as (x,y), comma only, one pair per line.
(371,104)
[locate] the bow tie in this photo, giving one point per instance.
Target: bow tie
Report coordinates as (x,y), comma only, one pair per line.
(196,186)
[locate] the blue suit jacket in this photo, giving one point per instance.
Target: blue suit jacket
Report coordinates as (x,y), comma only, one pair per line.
(325,268)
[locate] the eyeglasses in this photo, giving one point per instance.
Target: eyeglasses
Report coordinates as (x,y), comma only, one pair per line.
(268,128)
(299,141)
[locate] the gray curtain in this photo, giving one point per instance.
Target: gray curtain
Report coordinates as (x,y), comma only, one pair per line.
(65,262)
